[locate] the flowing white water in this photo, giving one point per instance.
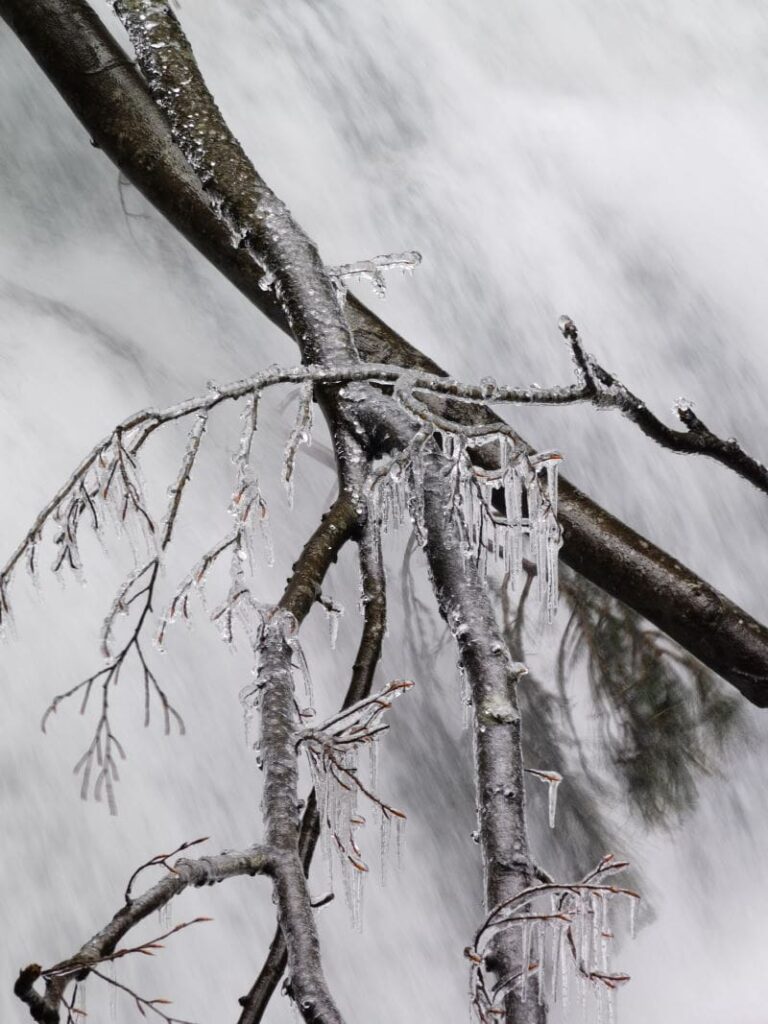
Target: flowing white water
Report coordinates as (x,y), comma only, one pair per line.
(602,160)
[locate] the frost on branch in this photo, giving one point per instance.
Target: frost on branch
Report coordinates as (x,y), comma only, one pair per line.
(333,750)
(565,934)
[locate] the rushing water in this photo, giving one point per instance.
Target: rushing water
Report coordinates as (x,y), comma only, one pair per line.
(607,160)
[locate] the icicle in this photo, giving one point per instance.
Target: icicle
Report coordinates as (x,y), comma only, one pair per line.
(373,270)
(373,753)
(333,613)
(301,434)
(399,840)
(633,901)
(611,1005)
(112,977)
(525,958)
(80,1000)
(564,975)
(605,934)
(385,830)
(595,945)
(553,784)
(553,780)
(556,930)
(540,957)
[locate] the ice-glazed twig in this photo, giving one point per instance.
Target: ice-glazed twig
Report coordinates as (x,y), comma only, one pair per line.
(98,765)
(113,456)
(44,1006)
(604,390)
(301,434)
(373,270)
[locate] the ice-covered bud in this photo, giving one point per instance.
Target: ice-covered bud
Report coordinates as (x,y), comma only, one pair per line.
(683,405)
(568,328)
(488,384)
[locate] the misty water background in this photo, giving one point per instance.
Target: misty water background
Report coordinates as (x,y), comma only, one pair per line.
(605,160)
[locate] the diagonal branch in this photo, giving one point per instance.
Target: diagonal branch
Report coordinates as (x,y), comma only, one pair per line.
(600,387)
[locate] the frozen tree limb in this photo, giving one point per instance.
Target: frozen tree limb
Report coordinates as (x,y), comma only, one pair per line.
(257,219)
(367,422)
(71,44)
(307,984)
(492,680)
(606,392)
(297,601)
(44,1007)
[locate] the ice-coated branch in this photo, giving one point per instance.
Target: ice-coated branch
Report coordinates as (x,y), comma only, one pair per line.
(106,92)
(307,985)
(333,749)
(600,387)
(100,759)
(491,679)
(559,926)
(368,654)
(44,1006)
(258,221)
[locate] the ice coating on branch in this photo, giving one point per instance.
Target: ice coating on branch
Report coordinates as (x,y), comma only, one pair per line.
(301,434)
(373,270)
(194,439)
(683,405)
(333,750)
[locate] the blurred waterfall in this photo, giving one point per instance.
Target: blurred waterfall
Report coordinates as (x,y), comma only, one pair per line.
(605,160)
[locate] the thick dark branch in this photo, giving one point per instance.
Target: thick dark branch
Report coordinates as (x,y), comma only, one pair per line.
(104,90)
(321,550)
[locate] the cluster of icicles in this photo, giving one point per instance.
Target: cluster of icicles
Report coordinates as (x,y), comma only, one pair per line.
(507,516)
(565,935)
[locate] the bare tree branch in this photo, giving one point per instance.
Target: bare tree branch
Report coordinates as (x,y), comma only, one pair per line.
(603,389)
(44,1008)
(367,659)
(308,988)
